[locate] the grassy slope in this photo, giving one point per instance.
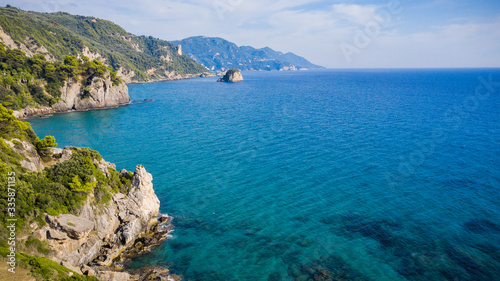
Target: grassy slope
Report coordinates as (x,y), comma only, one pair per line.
(30,268)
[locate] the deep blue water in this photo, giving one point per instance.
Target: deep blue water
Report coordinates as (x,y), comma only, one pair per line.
(354,175)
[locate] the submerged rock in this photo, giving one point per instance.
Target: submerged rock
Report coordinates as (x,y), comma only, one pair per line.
(475,270)
(373,230)
(479,226)
(156,273)
(325,269)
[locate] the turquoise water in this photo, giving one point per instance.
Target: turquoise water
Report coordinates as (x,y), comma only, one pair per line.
(321,175)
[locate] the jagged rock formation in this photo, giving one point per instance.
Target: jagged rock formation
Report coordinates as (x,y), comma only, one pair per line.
(103,231)
(120,223)
(103,94)
(88,242)
(24,148)
(232,75)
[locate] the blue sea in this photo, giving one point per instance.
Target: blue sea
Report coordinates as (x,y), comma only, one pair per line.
(314,175)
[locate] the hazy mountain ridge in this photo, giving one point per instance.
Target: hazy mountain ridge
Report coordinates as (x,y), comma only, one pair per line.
(219,54)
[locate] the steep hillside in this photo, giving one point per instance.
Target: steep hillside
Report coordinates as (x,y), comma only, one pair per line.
(34,85)
(55,35)
(218,54)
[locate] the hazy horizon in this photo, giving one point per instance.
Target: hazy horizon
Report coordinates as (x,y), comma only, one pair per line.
(334,34)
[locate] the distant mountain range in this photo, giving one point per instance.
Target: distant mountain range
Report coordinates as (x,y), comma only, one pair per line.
(218,54)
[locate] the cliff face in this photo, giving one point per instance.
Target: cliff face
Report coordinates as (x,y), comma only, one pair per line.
(32,160)
(99,233)
(232,75)
(103,94)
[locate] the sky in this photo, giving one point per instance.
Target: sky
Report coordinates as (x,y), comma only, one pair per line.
(334,34)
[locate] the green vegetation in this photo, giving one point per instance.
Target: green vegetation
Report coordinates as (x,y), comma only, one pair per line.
(33,244)
(60,188)
(34,80)
(64,187)
(63,34)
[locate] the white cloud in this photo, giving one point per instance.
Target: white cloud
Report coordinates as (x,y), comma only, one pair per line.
(457,45)
(358,14)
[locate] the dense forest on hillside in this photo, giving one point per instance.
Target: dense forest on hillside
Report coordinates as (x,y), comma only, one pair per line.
(63,34)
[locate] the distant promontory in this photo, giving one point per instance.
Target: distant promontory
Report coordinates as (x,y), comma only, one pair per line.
(218,54)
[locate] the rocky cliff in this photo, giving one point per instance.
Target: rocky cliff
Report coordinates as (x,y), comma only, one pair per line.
(102,94)
(98,234)
(88,242)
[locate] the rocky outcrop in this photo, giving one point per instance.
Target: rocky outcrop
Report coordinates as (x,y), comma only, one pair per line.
(90,241)
(126,75)
(70,225)
(232,75)
(32,160)
(32,111)
(102,94)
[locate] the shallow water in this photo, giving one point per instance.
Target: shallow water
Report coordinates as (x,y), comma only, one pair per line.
(354,175)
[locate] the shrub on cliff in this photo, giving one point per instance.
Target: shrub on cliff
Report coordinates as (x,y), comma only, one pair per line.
(45,269)
(43,145)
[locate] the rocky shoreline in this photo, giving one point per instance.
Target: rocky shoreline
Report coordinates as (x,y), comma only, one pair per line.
(117,269)
(175,78)
(44,112)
